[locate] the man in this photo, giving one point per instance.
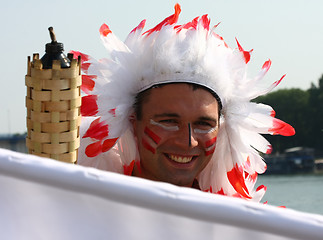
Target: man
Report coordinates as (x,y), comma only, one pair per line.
(172,104)
(174,137)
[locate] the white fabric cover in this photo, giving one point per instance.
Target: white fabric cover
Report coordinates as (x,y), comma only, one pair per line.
(45,199)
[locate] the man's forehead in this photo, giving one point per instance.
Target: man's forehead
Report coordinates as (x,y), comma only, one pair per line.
(179,101)
(177,87)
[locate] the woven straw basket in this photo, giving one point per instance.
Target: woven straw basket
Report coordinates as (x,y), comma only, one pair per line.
(53,109)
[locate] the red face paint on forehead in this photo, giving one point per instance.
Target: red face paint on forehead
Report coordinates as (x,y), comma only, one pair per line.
(152,135)
(146,145)
(210,142)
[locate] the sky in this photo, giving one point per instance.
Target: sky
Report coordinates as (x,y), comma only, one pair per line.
(288,32)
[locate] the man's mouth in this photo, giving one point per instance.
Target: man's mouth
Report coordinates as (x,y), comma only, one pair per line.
(180,159)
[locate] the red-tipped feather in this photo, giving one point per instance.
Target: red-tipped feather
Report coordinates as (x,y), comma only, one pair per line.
(105,30)
(167,21)
(273,113)
(246,54)
(89,105)
(108,144)
(127,169)
(84,57)
(112,112)
(253,177)
(140,26)
(97,131)
(221,38)
(93,149)
(205,22)
(192,24)
(275,84)
(261,187)
(269,149)
(88,83)
(236,179)
(85,67)
(266,65)
(281,128)
(221,192)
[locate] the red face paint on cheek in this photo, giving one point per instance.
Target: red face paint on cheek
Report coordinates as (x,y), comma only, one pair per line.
(207,153)
(146,145)
(209,144)
(152,135)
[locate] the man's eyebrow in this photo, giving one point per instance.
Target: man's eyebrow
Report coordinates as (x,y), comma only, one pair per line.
(166,115)
(206,118)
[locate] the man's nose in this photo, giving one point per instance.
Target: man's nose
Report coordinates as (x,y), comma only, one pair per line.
(186,137)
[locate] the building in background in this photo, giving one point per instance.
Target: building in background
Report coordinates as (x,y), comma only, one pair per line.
(14,142)
(293,160)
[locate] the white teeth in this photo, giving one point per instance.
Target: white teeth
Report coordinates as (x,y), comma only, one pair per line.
(180,159)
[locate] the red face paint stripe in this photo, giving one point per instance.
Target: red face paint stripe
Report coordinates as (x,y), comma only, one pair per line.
(210,142)
(146,145)
(207,153)
(152,135)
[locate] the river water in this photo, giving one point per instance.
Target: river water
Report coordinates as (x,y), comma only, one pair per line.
(299,192)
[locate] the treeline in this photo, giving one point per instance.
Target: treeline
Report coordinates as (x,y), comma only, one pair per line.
(303,109)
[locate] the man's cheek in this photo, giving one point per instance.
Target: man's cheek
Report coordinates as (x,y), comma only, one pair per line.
(210,146)
(150,140)
(147,146)
(153,136)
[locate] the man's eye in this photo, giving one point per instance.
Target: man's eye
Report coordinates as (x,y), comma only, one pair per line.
(204,124)
(168,121)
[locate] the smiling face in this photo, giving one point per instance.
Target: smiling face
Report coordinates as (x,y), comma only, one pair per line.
(176,133)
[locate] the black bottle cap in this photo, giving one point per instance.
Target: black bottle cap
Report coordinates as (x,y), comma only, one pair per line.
(54,51)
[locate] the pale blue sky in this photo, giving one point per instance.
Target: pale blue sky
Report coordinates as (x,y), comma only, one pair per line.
(289,32)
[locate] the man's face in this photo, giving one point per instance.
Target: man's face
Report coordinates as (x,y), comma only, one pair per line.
(176,133)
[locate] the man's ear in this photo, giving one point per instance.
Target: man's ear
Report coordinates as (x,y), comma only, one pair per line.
(133,121)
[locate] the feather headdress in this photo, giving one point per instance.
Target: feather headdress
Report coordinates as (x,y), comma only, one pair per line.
(167,53)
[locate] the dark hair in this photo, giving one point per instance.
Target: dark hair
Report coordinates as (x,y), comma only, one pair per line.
(143,96)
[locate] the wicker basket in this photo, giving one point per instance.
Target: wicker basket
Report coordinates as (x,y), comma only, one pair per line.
(53,109)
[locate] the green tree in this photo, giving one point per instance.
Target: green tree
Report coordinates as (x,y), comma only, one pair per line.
(315,115)
(290,106)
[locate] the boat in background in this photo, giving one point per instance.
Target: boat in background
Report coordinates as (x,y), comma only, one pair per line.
(292,161)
